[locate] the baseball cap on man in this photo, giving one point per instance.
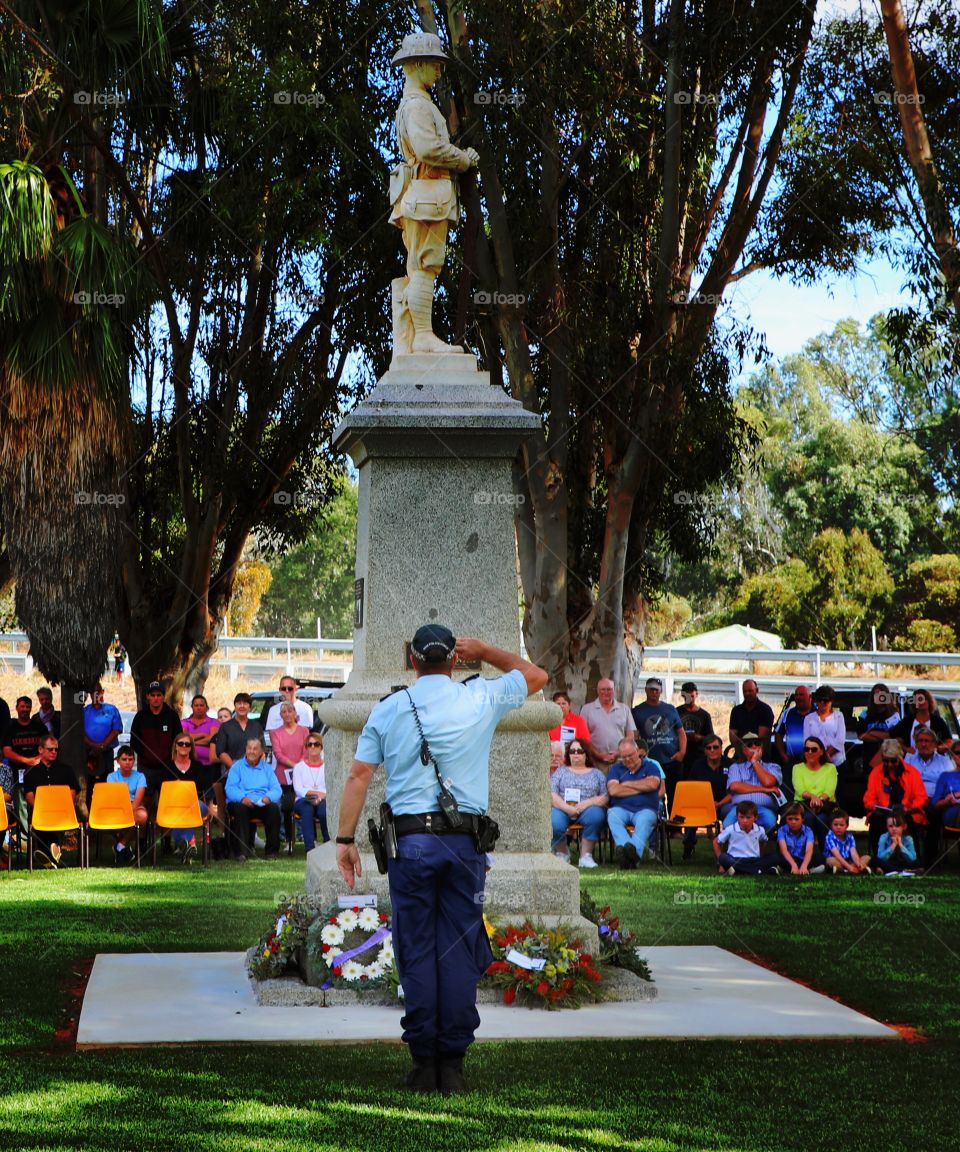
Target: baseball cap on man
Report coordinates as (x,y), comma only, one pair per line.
(433,644)
(154,686)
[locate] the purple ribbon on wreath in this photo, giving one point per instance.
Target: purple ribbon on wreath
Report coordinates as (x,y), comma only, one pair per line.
(380,934)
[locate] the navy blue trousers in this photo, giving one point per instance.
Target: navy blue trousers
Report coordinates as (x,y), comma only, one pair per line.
(441,946)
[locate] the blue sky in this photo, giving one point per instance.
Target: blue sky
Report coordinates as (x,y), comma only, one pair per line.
(791,315)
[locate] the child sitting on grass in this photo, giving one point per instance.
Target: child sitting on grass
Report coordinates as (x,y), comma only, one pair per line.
(896,851)
(840,847)
(797,844)
(743,841)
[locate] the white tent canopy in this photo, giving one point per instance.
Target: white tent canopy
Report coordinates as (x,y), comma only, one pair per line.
(732,637)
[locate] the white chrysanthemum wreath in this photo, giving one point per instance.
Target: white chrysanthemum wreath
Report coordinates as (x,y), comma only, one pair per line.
(356,946)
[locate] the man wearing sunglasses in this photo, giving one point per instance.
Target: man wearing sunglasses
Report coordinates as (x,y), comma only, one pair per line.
(288,695)
(752,778)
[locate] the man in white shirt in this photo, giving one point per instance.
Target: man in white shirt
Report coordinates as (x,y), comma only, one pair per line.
(609,721)
(288,695)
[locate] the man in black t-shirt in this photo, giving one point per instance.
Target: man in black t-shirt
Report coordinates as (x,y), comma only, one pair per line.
(697,722)
(21,746)
(753,715)
(152,734)
(48,770)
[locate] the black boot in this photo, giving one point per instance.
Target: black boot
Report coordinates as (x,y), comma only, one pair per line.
(422,1077)
(452,1078)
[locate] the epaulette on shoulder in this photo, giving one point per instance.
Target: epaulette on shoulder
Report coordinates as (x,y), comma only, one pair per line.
(475,676)
(393,691)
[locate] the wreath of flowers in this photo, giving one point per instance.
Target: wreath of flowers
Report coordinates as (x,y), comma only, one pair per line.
(276,951)
(618,945)
(568,978)
(356,946)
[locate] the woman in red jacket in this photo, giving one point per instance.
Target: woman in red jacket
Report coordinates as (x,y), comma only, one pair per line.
(894,784)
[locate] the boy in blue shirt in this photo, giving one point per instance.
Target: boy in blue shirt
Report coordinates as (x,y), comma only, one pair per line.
(743,843)
(137,784)
(840,848)
(797,844)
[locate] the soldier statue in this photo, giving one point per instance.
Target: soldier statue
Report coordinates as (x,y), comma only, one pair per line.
(423,194)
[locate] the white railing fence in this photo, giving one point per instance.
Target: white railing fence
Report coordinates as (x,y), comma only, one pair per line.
(263,657)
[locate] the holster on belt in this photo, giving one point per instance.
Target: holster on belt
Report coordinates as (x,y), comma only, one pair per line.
(383,838)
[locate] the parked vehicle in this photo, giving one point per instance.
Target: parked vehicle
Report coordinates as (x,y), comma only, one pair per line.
(312,692)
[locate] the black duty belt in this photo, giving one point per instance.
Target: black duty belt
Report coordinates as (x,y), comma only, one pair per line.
(436,823)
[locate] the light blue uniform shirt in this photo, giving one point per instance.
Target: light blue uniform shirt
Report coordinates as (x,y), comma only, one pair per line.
(255,781)
(458,721)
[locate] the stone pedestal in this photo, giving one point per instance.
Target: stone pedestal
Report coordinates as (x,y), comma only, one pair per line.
(434,444)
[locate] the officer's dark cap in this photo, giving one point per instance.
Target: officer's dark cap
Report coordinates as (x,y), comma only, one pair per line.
(433,644)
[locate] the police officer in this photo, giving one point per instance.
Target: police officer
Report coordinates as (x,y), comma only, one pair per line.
(437,879)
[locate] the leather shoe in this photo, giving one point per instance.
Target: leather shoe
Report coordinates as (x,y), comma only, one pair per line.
(421,1077)
(452,1079)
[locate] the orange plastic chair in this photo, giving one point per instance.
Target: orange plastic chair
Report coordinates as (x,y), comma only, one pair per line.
(179,807)
(112,811)
(693,800)
(53,811)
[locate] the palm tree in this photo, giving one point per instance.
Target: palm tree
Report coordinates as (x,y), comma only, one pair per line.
(69,291)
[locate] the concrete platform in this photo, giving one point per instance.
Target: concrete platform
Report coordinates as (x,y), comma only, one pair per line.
(206,998)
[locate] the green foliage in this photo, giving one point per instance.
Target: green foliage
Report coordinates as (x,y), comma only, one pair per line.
(927,636)
(852,587)
(778,601)
(666,619)
(8,613)
(830,458)
(316,577)
(836,454)
(930,594)
(831,599)
(847,475)
(253,580)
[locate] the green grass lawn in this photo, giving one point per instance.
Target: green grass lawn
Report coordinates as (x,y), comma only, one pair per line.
(897,961)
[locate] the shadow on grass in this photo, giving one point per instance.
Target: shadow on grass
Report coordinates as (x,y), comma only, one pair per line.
(550,1096)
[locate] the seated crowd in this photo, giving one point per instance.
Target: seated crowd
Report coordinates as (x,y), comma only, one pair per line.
(773,791)
(614,773)
(224,758)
